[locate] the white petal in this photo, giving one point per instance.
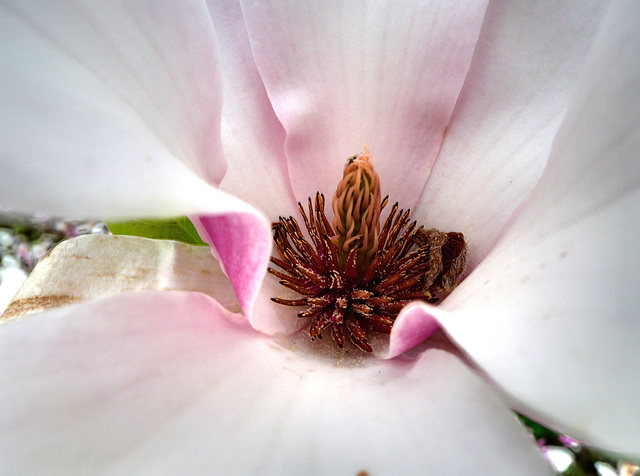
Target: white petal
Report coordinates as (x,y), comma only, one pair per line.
(521,79)
(552,313)
(10,281)
(108,109)
(92,267)
(342,74)
(157,382)
(252,136)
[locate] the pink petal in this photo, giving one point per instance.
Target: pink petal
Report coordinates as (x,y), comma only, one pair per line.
(343,74)
(521,80)
(552,313)
(162,382)
(252,136)
(242,244)
(253,141)
(415,323)
(109,109)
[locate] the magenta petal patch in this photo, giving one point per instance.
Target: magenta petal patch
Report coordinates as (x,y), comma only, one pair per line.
(242,244)
(413,325)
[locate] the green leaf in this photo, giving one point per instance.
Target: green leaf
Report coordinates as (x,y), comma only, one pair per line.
(536,428)
(176,229)
(190,230)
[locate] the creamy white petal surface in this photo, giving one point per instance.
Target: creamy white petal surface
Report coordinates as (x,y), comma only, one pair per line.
(523,74)
(96,266)
(552,312)
(162,382)
(343,74)
(109,109)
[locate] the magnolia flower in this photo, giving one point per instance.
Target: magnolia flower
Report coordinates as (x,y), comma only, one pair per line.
(515,123)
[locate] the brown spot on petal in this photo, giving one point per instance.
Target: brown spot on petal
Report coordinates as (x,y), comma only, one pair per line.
(36,304)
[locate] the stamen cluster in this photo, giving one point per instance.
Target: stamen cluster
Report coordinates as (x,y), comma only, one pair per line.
(348,295)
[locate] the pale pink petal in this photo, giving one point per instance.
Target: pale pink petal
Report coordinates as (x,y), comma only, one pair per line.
(252,136)
(161,382)
(253,141)
(343,74)
(93,267)
(108,109)
(521,80)
(552,313)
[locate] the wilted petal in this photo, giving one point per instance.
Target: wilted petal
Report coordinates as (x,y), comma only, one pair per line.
(522,77)
(93,267)
(340,74)
(552,312)
(161,382)
(109,109)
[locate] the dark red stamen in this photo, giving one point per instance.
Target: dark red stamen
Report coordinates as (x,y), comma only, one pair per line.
(354,298)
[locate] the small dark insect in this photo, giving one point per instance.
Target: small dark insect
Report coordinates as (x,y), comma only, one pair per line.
(354,277)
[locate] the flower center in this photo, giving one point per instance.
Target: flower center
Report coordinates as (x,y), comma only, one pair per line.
(354,277)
